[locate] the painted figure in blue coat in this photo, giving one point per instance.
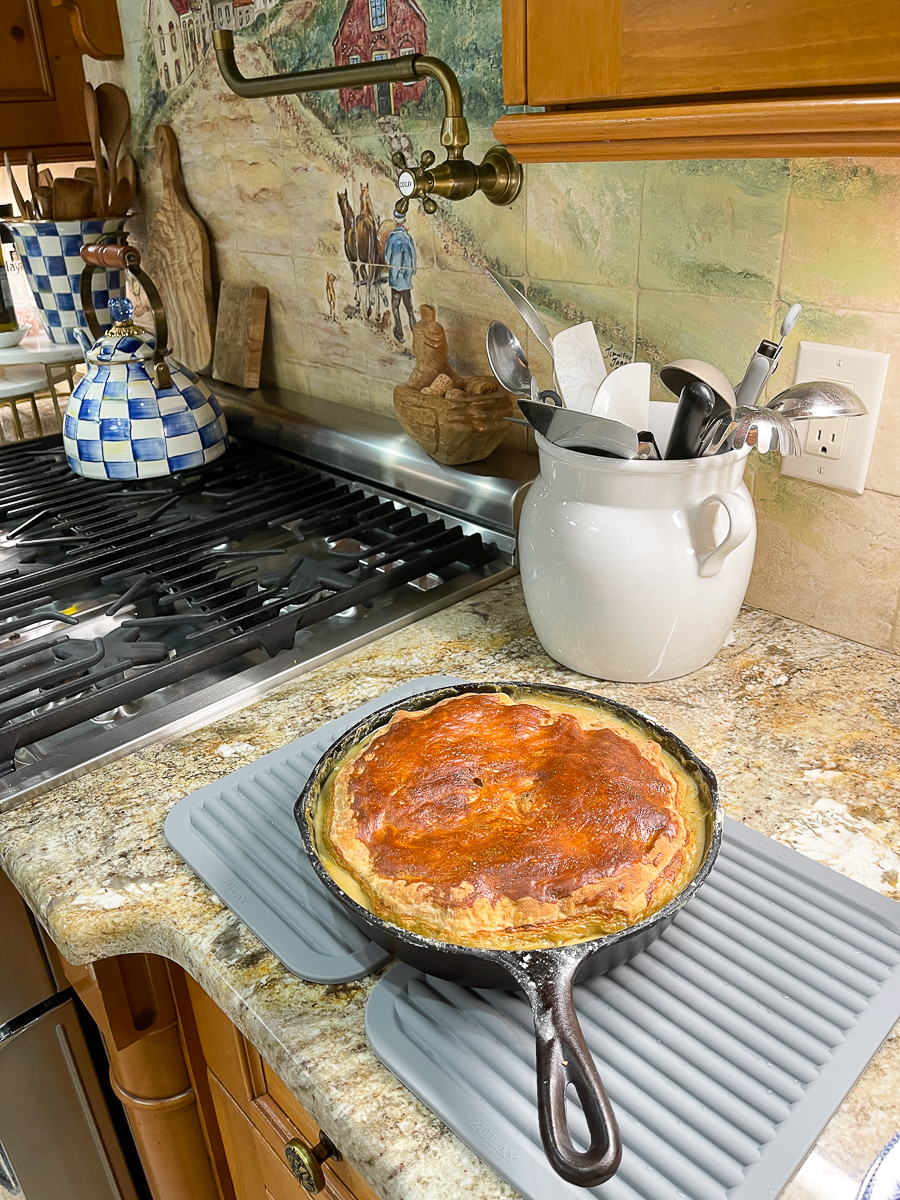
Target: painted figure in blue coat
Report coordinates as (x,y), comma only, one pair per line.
(400,259)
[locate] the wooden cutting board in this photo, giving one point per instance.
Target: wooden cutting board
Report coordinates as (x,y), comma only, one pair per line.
(177,260)
(240,328)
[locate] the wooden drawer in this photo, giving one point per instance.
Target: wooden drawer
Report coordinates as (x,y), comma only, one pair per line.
(273,1113)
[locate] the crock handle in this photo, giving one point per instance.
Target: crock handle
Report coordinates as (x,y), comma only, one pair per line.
(740,523)
(563,1059)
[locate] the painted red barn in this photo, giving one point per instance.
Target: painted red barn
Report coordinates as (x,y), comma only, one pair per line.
(370,30)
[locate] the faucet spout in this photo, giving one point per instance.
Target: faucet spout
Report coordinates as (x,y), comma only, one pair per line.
(499,175)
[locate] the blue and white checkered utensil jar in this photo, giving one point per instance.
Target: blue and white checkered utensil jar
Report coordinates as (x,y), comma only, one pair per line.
(51,255)
(121,424)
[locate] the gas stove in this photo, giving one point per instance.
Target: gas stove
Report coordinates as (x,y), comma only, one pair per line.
(134,611)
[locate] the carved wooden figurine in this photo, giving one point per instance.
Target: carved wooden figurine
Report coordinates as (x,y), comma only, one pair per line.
(455,419)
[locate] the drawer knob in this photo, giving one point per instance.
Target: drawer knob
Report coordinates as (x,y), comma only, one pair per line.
(305,1162)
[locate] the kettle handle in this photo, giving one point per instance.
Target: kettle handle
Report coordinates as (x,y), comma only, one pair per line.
(740,523)
(104,255)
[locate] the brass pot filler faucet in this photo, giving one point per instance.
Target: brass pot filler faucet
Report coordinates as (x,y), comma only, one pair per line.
(498,175)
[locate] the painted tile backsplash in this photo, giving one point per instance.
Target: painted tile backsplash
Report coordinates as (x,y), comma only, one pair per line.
(669,260)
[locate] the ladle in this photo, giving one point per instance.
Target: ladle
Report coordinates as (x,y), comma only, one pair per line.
(819,399)
(746,419)
(509,364)
(677,375)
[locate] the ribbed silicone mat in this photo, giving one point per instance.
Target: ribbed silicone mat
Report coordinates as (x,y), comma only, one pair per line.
(239,835)
(725,1047)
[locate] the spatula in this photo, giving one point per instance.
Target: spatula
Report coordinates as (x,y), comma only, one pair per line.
(624,395)
(579,366)
(115,118)
(93,124)
(574,430)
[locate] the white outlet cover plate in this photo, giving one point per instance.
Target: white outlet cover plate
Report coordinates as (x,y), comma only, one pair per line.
(863,370)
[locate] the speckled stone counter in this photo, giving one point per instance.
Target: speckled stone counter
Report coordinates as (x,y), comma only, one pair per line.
(800,727)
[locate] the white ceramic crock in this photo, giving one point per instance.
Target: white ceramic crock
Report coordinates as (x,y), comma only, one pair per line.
(634,571)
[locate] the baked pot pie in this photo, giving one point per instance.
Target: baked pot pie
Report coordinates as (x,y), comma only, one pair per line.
(492,822)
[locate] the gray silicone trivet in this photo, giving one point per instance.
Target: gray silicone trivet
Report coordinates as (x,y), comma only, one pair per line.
(725,1047)
(239,835)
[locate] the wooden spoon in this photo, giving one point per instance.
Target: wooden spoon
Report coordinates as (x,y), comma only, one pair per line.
(127,169)
(121,199)
(17,195)
(45,178)
(73,199)
(93,124)
(90,174)
(115,121)
(43,202)
(33,183)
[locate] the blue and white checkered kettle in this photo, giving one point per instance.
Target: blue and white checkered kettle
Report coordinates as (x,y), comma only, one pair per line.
(137,413)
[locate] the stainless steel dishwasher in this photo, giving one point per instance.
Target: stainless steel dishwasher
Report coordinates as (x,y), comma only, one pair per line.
(57,1137)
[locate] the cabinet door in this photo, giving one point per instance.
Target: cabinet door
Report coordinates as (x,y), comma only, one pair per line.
(274,1112)
(41,84)
(582,51)
(239,1138)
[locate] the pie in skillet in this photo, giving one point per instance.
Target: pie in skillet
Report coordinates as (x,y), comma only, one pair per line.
(492,822)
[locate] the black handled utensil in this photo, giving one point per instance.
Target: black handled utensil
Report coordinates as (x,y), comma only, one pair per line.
(696,405)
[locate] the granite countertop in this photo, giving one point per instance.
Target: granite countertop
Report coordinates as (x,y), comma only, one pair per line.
(799,726)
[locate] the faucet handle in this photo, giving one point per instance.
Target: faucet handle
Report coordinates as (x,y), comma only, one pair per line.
(415,181)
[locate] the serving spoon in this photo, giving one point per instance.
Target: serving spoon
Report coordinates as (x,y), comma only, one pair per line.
(510,366)
(526,310)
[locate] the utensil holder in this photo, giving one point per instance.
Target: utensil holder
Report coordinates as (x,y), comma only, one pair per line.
(51,255)
(632,570)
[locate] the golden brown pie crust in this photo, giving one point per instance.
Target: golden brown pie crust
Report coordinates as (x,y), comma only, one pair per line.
(489,822)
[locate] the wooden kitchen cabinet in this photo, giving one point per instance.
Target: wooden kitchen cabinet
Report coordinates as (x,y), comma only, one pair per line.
(210,1117)
(41,84)
(643,79)
(258,1115)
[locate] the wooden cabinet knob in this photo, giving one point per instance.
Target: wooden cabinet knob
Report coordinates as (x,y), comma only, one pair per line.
(305,1161)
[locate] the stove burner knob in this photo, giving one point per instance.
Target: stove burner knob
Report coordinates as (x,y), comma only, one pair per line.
(305,1161)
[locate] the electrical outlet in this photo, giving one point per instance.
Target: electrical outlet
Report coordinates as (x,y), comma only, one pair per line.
(826,438)
(836,451)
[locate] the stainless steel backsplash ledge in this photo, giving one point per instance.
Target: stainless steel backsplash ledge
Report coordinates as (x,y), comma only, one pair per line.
(368,447)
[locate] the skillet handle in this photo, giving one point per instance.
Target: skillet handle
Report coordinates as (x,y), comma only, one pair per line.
(562,1059)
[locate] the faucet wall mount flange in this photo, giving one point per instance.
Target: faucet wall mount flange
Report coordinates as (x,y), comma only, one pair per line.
(499,175)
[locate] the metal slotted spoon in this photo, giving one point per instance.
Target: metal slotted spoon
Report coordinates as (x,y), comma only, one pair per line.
(747,425)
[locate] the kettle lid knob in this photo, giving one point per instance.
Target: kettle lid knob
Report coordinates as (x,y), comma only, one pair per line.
(121,310)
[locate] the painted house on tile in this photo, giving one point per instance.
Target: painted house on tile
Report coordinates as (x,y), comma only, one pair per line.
(371,30)
(180,32)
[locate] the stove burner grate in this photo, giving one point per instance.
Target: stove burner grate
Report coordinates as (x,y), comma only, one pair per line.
(194,571)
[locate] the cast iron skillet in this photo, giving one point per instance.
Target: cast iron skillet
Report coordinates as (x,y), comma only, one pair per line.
(546,976)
